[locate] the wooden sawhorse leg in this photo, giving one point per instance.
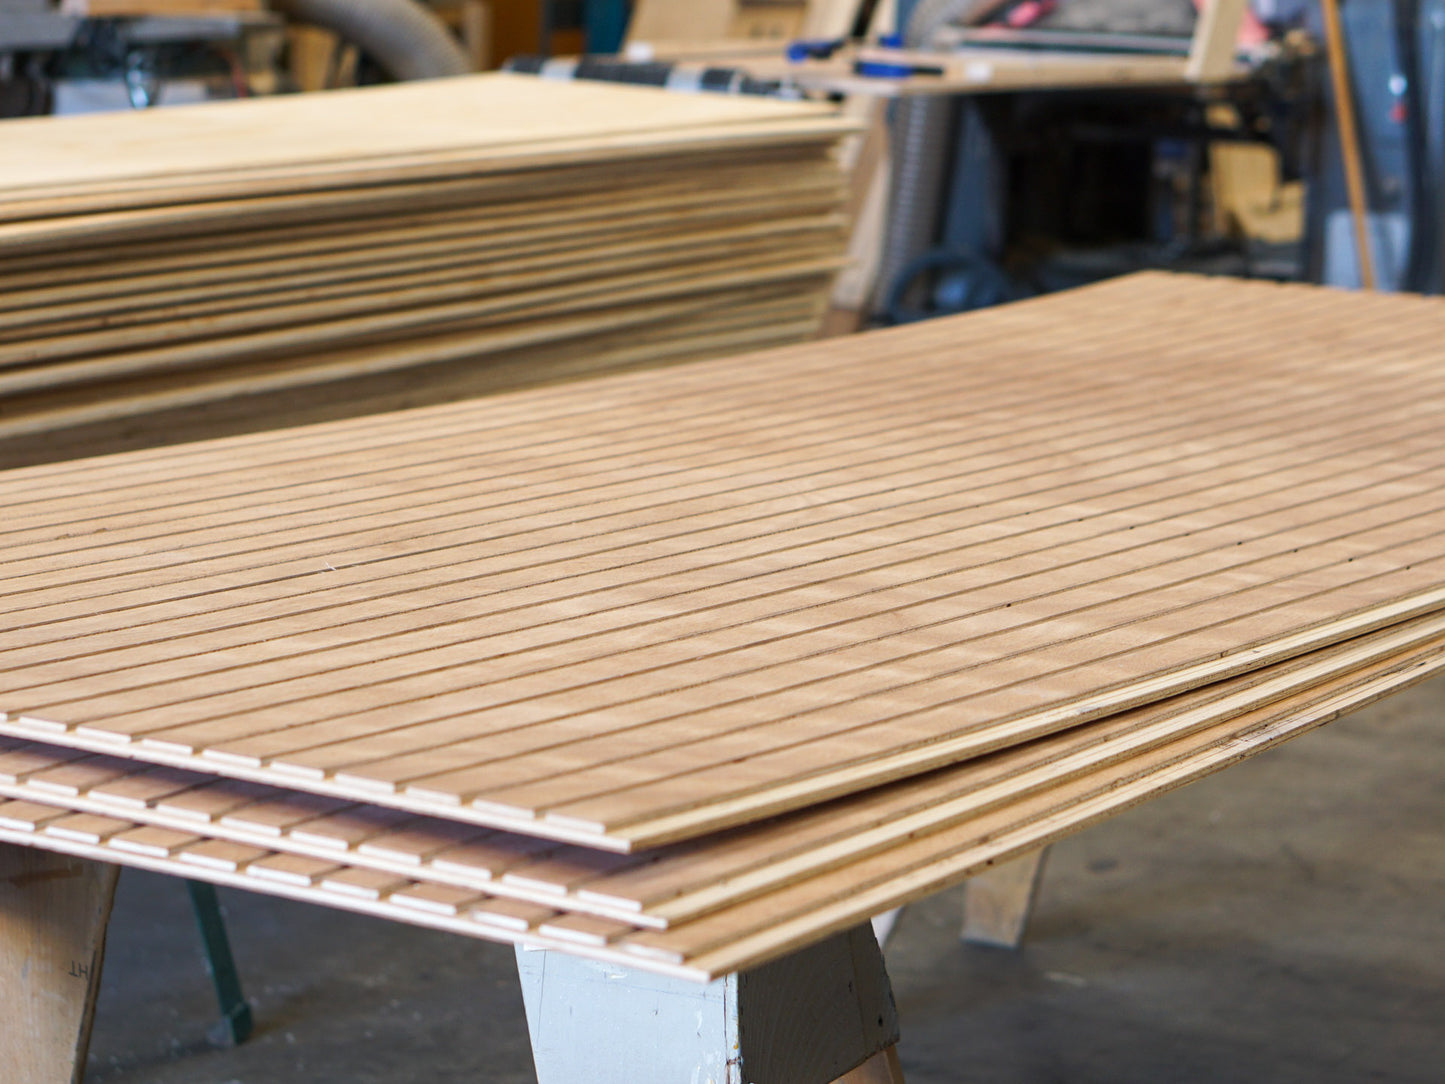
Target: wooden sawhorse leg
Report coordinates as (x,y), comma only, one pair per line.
(821,1015)
(997,902)
(53,914)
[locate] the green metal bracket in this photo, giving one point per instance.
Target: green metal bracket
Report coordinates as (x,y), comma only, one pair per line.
(605,24)
(235,1024)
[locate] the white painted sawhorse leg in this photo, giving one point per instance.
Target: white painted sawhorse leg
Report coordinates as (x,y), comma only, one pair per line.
(53,915)
(821,1015)
(997,903)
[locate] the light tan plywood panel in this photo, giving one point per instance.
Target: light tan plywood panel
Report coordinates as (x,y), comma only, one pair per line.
(893,553)
(206,265)
(788,912)
(677,884)
(481,116)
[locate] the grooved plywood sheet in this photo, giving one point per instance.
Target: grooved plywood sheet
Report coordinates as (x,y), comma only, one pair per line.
(653,606)
(670,886)
(742,930)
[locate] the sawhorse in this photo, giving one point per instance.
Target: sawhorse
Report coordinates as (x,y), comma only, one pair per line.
(823,1014)
(54,910)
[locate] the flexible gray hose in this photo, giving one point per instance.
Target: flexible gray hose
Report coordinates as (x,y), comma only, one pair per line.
(405,38)
(921,152)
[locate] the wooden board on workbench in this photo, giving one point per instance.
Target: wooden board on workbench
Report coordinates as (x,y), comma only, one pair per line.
(774,919)
(664,26)
(666,888)
(654,606)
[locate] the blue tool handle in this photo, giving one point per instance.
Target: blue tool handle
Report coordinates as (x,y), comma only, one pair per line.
(816,49)
(878,69)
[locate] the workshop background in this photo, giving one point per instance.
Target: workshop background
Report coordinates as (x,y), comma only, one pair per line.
(1278,922)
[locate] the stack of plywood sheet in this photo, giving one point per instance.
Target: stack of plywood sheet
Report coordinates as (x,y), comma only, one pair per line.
(178,273)
(689,668)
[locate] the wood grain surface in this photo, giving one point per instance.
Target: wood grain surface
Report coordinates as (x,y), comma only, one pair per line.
(663,887)
(646,608)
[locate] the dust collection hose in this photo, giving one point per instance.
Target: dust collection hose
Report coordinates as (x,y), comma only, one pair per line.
(922,149)
(402,36)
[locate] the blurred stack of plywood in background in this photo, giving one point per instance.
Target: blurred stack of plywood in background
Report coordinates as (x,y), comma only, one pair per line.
(275,261)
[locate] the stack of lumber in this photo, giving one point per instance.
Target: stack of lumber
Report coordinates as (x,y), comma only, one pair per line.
(665,24)
(182,273)
(689,668)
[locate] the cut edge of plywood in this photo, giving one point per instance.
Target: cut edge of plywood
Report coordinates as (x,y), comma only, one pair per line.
(751,807)
(932,804)
(759,942)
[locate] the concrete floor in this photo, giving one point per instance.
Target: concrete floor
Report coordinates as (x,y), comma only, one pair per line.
(1283,921)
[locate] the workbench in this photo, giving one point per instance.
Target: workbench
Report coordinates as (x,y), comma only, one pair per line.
(971,68)
(858,73)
